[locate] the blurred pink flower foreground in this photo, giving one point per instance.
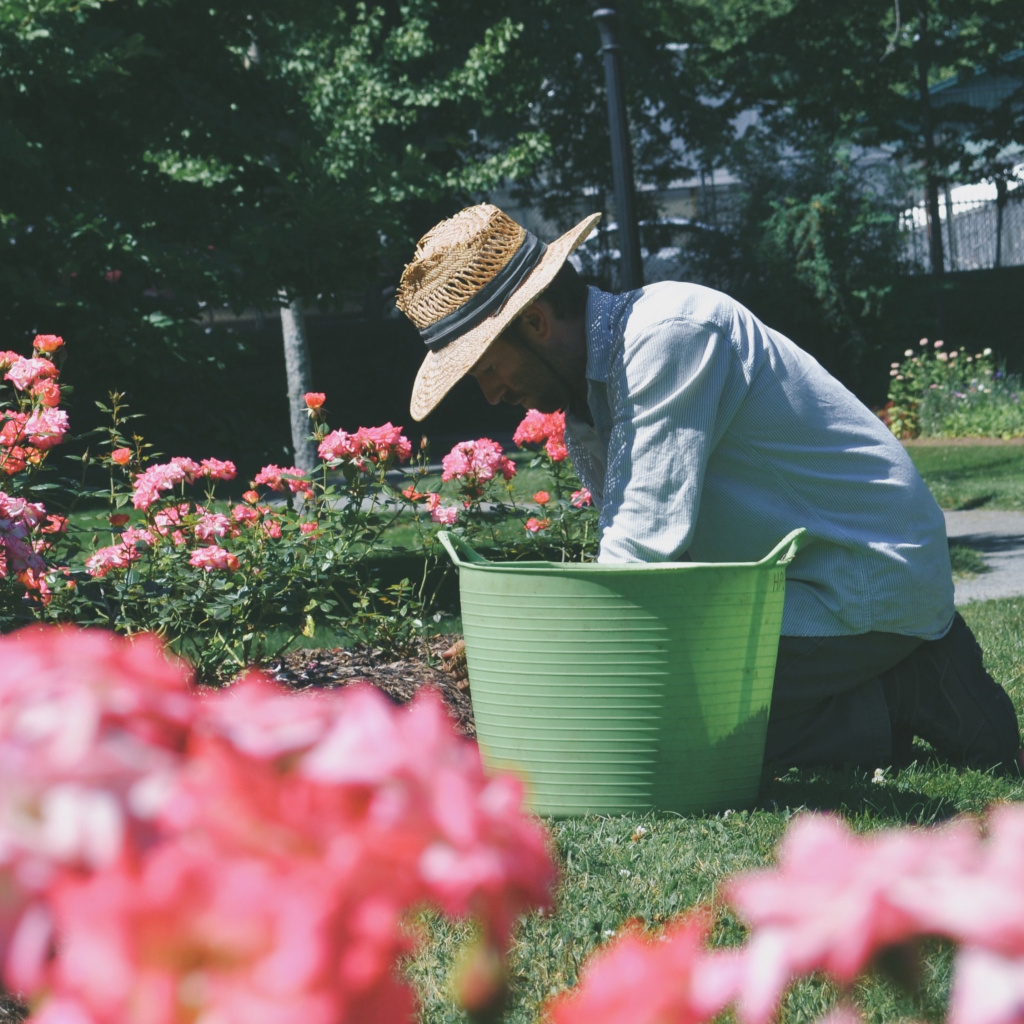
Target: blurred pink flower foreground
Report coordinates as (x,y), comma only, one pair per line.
(836,902)
(244,857)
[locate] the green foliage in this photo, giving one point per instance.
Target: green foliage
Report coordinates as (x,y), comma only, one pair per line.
(164,159)
(818,245)
(935,393)
(854,71)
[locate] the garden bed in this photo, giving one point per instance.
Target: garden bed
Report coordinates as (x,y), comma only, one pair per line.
(398,678)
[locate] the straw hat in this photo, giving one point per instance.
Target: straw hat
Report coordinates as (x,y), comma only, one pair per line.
(469,278)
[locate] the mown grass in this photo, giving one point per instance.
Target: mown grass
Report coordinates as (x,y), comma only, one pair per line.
(650,867)
(967,476)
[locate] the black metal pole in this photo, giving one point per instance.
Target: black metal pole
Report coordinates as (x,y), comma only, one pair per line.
(622,159)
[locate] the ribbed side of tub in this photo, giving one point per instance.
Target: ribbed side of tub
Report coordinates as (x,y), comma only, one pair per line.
(617,692)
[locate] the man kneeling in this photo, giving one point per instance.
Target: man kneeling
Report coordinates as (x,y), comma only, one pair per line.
(702,433)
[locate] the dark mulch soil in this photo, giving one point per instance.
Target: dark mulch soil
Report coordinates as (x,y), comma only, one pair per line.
(398,678)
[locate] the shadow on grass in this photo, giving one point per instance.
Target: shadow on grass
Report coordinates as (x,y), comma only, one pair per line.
(980,501)
(855,793)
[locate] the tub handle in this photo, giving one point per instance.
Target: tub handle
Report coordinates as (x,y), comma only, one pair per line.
(453,544)
(785,551)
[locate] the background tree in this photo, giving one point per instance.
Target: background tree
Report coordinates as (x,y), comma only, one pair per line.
(156,174)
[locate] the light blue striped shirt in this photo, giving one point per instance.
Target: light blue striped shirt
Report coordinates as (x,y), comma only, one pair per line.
(714,436)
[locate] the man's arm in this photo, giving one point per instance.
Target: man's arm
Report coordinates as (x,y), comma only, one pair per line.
(667,395)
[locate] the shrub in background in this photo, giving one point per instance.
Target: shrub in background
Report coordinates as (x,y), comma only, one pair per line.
(938,393)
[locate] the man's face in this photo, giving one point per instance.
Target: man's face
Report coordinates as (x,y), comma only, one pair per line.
(512,372)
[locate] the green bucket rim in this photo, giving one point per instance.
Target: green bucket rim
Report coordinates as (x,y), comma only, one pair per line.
(464,557)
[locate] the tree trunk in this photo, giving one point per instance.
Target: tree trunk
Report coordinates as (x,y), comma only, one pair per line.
(300,381)
(931,194)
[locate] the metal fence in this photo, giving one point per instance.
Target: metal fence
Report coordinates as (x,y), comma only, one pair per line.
(976,234)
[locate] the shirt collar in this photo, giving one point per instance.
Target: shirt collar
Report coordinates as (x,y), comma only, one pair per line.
(600,309)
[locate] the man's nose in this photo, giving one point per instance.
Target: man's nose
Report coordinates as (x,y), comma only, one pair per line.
(493,390)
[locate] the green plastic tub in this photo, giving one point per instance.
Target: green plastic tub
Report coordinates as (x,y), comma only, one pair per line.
(621,688)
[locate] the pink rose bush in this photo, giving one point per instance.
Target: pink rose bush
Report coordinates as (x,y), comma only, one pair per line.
(31,425)
(248,856)
(222,579)
(225,581)
(547,429)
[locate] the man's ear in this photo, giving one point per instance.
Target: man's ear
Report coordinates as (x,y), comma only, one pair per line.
(535,322)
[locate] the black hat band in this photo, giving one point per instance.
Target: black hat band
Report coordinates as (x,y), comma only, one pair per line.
(490,299)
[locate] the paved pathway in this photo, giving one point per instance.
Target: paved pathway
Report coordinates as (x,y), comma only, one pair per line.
(999,538)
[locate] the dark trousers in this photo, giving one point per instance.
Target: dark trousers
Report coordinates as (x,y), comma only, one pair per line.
(861,700)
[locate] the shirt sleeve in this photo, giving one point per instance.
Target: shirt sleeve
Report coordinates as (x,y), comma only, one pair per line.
(665,392)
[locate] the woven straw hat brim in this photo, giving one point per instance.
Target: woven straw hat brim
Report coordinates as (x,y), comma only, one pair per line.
(443,368)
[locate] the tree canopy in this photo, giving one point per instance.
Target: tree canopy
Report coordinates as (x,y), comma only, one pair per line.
(163,159)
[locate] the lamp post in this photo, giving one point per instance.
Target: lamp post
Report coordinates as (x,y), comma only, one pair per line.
(622,160)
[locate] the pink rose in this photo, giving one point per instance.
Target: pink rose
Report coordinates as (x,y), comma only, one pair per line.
(217,469)
(213,557)
(47,342)
(25,372)
(47,392)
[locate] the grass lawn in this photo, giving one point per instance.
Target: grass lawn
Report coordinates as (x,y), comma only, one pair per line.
(614,871)
(966,476)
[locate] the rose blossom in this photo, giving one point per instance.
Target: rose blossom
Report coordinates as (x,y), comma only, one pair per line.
(277,478)
(338,444)
(245,514)
(47,392)
(314,399)
(379,445)
(651,979)
(46,427)
(581,498)
(214,524)
(170,518)
(543,428)
(163,477)
(121,456)
(535,525)
(25,372)
(116,556)
(55,524)
(473,463)
(13,430)
(47,342)
(542,497)
(213,557)
(216,469)
(447,515)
